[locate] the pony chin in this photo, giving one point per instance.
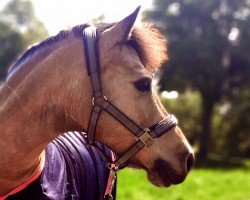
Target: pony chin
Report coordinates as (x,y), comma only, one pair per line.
(157,180)
(154,177)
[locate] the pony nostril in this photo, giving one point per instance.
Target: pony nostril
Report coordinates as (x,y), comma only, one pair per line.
(190,161)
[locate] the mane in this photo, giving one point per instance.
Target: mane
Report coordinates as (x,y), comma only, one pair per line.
(147,42)
(77,31)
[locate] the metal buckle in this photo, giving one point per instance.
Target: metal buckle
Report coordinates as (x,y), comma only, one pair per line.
(146,138)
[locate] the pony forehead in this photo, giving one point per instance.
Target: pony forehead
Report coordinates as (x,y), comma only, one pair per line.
(148,42)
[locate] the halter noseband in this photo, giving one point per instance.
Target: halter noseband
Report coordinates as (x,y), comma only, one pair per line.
(143,137)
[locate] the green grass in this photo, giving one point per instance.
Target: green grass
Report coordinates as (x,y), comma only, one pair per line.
(229,182)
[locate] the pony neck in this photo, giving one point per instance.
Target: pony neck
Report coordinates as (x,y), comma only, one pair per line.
(37,104)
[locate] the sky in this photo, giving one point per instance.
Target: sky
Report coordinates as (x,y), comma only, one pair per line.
(62,14)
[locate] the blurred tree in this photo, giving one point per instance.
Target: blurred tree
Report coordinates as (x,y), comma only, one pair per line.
(11,44)
(208,48)
(98,20)
(19,28)
(234,125)
(187,114)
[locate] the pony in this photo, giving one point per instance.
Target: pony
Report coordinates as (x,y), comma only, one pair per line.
(48,92)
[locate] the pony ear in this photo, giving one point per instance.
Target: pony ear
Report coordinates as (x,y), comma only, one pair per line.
(121,30)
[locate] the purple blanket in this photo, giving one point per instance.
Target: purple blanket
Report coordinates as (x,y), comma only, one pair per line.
(73,170)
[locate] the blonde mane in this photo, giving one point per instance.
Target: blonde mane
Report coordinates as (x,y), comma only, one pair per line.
(150,46)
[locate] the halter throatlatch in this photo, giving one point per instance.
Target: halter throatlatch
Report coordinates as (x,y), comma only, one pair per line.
(143,137)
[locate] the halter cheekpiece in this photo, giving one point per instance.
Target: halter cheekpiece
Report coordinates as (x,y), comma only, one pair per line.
(144,137)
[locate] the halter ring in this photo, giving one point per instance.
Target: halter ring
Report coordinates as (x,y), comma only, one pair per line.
(93,99)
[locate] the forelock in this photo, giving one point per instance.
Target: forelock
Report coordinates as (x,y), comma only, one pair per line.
(150,45)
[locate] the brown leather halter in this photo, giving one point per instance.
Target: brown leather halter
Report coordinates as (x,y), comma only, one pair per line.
(143,137)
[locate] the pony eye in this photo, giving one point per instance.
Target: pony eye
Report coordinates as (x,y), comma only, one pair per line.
(143,85)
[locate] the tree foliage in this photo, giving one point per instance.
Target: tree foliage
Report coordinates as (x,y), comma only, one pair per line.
(19,28)
(208,46)
(188,115)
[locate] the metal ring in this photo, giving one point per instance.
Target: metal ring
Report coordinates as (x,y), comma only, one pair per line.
(106,99)
(93,99)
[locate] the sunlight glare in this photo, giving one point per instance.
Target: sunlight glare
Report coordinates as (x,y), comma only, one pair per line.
(170,95)
(64,14)
(234,34)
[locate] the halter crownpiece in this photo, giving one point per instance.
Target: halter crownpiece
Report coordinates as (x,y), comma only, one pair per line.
(143,137)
